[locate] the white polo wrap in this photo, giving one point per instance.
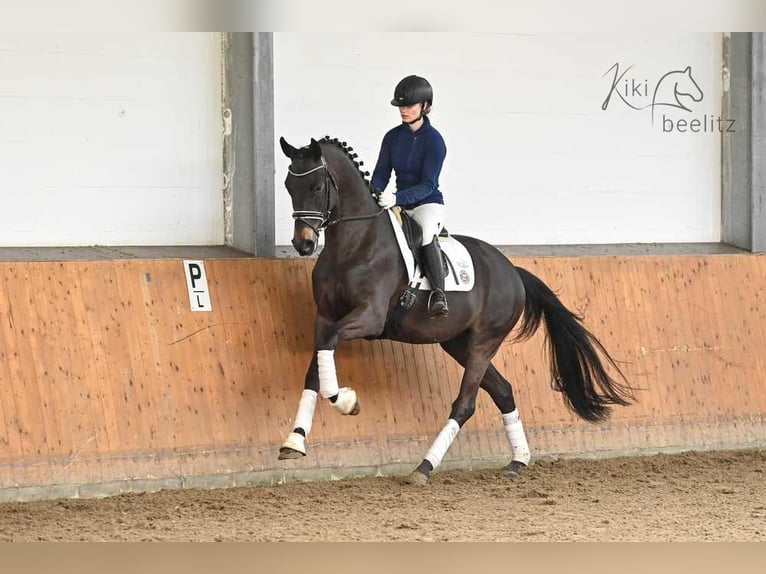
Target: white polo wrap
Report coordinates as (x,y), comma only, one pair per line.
(328,379)
(306,406)
(442,443)
(515,431)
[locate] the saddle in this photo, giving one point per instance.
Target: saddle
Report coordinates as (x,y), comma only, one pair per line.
(413,234)
(456,261)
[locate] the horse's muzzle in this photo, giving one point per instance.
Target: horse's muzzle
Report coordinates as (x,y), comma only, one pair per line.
(304,241)
(304,247)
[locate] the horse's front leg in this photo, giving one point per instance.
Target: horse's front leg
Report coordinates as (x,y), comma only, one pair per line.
(321,376)
(363,321)
(295,445)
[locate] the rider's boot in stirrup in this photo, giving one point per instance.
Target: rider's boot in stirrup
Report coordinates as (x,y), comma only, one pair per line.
(431,256)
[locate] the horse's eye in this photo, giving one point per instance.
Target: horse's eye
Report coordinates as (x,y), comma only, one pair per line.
(317,188)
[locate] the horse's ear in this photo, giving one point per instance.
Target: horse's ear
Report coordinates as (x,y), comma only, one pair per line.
(688,70)
(287,149)
(315,149)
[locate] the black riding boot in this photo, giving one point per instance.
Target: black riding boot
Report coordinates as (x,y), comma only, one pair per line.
(433,266)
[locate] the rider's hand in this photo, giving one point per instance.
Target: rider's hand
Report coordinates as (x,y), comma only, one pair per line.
(387,199)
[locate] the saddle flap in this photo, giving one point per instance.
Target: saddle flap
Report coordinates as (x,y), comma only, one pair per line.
(460,270)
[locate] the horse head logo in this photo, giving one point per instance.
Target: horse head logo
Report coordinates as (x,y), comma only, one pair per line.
(674,88)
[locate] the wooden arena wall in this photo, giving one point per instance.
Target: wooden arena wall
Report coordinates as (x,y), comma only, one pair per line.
(110,383)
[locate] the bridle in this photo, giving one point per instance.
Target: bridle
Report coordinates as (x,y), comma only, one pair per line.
(324,216)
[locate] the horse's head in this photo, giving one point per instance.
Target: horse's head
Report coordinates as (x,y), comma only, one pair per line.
(313,189)
(686,85)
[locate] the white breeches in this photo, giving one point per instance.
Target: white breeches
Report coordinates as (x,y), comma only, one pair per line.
(430,217)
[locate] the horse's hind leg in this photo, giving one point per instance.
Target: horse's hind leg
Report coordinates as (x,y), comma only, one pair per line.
(501,392)
(476,362)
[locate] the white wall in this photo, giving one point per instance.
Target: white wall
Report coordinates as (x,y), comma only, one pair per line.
(111,139)
(532,158)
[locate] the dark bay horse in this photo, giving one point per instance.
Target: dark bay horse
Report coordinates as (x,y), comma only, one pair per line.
(360,276)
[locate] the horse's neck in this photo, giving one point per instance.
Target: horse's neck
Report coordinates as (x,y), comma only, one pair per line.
(355,200)
(354,196)
(666,91)
(349,237)
(363,249)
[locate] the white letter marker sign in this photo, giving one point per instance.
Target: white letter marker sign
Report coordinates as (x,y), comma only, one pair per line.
(196,280)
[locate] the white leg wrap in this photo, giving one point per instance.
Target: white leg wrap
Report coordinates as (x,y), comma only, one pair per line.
(295,441)
(515,431)
(306,406)
(346,400)
(443,441)
(328,383)
(328,379)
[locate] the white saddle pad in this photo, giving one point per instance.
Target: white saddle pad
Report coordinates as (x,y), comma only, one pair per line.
(460,276)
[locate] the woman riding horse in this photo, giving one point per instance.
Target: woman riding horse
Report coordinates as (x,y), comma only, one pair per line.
(358,281)
(416,151)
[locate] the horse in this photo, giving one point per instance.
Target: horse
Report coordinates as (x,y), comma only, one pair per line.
(671,86)
(358,281)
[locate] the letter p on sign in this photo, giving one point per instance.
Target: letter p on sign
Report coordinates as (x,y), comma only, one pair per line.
(196,281)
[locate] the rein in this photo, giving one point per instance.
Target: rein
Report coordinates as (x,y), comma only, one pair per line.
(324,215)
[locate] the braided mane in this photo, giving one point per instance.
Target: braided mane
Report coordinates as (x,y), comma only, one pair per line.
(347,150)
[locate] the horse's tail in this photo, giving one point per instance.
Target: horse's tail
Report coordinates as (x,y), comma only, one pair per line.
(577,370)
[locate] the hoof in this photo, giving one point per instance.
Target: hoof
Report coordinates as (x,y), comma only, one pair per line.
(514,469)
(347,402)
(293,447)
(416,477)
(287,453)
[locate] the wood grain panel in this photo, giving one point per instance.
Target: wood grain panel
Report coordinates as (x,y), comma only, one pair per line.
(107,375)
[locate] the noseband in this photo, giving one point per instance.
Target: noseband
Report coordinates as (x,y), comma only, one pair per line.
(324,216)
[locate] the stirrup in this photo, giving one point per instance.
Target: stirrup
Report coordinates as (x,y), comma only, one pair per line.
(438,307)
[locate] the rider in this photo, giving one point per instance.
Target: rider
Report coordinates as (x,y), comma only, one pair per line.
(416,152)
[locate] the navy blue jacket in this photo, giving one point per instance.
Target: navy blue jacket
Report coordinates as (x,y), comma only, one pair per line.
(416,158)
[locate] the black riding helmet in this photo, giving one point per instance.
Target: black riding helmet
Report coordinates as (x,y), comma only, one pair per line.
(413,90)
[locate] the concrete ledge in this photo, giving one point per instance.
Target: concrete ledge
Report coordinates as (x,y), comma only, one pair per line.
(276,477)
(98,253)
(590,250)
